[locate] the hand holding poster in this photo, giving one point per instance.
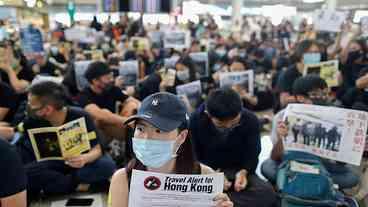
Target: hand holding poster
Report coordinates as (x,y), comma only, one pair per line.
(148,189)
(193,91)
(328,20)
(201,59)
(328,71)
(56,143)
(168,77)
(245,79)
(128,70)
(177,39)
(80,67)
(337,136)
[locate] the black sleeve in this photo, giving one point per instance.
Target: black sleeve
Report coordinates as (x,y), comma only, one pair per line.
(83,100)
(7,96)
(92,130)
(119,95)
(12,176)
(253,142)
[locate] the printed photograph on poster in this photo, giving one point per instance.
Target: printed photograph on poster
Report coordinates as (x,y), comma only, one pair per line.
(156,189)
(193,91)
(201,60)
(80,67)
(140,43)
(57,143)
(328,71)
(337,136)
(168,76)
(244,79)
(177,39)
(31,40)
(128,70)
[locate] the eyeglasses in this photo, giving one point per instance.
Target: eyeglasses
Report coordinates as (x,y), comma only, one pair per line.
(318,95)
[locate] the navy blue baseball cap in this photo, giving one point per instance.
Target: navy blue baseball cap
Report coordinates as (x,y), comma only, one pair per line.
(163,110)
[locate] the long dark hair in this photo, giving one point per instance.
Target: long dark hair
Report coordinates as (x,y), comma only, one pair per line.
(185,161)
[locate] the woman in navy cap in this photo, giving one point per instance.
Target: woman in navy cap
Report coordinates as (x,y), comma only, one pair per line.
(161,144)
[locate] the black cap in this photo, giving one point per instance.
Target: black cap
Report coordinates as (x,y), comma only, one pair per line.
(309,83)
(164,111)
(96,70)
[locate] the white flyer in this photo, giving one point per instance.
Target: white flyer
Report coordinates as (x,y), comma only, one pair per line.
(80,67)
(192,90)
(129,71)
(201,60)
(177,39)
(245,78)
(329,132)
(148,189)
(329,20)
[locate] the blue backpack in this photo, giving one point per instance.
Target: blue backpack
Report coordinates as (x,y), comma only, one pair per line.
(303,181)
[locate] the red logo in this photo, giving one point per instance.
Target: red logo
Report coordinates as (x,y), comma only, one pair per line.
(152,183)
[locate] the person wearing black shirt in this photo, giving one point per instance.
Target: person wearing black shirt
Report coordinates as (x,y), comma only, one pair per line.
(226,137)
(12,178)
(47,108)
(307,52)
(102,99)
(8,98)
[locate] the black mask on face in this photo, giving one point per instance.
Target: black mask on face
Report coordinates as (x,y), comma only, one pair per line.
(32,113)
(353,56)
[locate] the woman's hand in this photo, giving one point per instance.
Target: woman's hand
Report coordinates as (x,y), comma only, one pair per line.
(223,200)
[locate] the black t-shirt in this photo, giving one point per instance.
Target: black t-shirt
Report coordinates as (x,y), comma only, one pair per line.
(8,99)
(12,175)
(287,78)
(107,100)
(73,113)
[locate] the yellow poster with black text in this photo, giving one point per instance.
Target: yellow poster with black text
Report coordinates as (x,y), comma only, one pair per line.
(58,143)
(328,71)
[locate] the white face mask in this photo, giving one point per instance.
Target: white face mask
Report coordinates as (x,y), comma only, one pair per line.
(154,153)
(183,75)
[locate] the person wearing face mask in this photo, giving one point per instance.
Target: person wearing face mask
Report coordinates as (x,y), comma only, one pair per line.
(226,137)
(307,52)
(101,99)
(161,143)
(309,89)
(354,59)
(47,107)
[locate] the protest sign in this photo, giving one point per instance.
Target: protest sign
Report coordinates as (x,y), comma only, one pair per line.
(328,71)
(245,79)
(43,78)
(56,143)
(337,136)
(177,39)
(193,91)
(128,70)
(168,76)
(149,189)
(82,35)
(364,26)
(31,40)
(201,60)
(80,67)
(328,20)
(140,43)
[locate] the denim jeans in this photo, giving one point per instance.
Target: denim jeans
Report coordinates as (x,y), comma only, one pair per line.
(54,177)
